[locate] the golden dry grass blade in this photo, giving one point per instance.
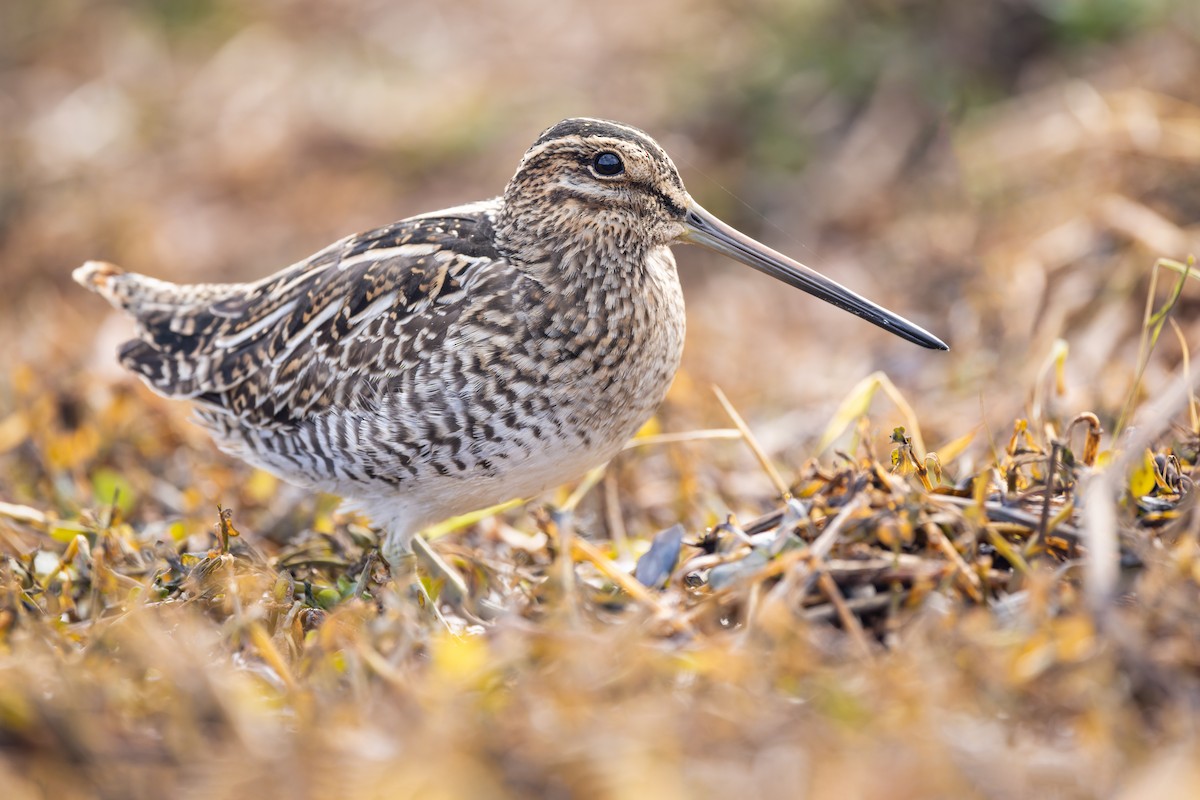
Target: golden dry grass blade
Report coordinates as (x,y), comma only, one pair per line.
(858,402)
(956,447)
(591,554)
(1193,408)
(752,442)
(971,581)
(1051,378)
(584,486)
(683,437)
(467,520)
(130,657)
(1152,324)
(270,654)
(849,620)
(25,514)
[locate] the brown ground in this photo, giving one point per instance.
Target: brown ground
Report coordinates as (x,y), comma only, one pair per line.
(1005,173)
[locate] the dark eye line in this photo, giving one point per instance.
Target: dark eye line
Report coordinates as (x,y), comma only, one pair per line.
(587,160)
(667,202)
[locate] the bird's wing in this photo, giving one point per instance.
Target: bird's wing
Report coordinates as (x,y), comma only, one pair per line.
(327,330)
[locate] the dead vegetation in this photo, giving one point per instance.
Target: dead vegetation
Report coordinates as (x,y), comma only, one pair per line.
(883,610)
(973,576)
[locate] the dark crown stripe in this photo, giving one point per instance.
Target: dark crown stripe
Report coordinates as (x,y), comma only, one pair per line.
(579,127)
(596,127)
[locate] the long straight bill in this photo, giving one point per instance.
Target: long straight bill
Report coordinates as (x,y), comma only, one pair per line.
(706,230)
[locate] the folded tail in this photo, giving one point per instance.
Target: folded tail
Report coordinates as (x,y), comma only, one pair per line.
(137,295)
(175,326)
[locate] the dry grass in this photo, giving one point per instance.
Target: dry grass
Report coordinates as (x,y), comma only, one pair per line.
(944,634)
(998,599)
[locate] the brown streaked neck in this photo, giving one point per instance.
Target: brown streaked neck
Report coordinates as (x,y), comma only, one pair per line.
(567,242)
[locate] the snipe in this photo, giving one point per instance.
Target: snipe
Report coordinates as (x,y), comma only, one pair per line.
(457,359)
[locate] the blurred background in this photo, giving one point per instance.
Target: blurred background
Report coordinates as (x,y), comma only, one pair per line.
(1004,172)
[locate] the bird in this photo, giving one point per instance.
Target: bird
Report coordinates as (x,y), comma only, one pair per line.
(458,359)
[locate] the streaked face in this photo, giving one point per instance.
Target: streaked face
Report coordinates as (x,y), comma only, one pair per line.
(615,176)
(612,182)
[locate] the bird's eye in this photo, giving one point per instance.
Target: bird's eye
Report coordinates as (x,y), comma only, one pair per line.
(608,164)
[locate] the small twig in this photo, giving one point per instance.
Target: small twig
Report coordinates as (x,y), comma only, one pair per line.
(454,587)
(1091,442)
(1001,513)
(974,587)
(1039,541)
(891,568)
(685,436)
(381,666)
(856,606)
(563,531)
(798,583)
(270,654)
(823,544)
(467,520)
(1054,364)
(1010,554)
(581,490)
(590,553)
(764,523)
(776,566)
(612,516)
(850,623)
(751,442)
(364,577)
(1152,324)
(1193,414)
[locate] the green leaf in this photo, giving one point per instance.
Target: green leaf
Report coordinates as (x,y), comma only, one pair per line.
(109,486)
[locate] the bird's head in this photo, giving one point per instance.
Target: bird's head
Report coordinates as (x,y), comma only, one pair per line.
(599,182)
(591,188)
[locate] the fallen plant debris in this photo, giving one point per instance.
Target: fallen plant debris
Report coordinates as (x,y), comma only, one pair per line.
(854,572)
(186,654)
